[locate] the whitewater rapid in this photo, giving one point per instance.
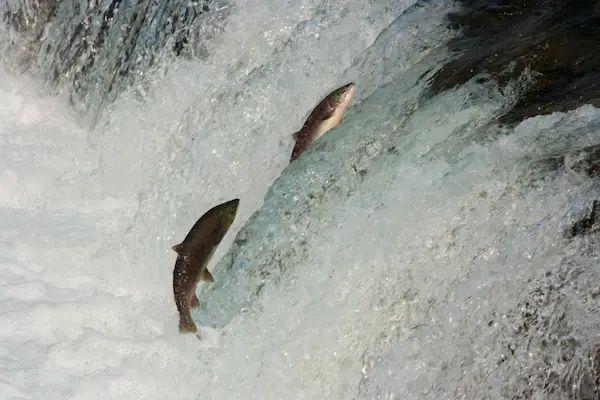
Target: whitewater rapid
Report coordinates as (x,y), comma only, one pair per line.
(394,259)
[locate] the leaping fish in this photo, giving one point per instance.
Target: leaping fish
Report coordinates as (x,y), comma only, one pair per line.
(325,116)
(193,256)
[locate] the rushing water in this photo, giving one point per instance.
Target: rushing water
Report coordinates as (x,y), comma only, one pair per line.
(420,250)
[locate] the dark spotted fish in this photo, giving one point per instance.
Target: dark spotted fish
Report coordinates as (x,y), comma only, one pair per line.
(193,256)
(325,116)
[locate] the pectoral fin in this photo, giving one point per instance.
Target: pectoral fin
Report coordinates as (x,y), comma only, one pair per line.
(328,114)
(195,303)
(206,276)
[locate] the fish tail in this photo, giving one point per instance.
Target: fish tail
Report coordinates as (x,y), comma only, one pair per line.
(186,323)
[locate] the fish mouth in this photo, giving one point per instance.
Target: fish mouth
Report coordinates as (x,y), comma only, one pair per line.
(232,203)
(347,92)
(229,211)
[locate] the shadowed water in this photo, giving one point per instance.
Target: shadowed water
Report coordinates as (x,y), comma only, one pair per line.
(555,41)
(96,49)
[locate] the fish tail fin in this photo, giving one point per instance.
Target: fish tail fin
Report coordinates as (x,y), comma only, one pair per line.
(186,323)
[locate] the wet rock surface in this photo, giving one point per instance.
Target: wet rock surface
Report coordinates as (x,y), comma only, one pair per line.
(531,343)
(555,41)
(588,224)
(584,161)
(97,49)
(541,323)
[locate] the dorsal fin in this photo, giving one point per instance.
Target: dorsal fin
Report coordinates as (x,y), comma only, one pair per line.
(178,248)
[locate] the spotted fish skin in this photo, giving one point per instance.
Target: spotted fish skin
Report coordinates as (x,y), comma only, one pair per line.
(325,116)
(193,256)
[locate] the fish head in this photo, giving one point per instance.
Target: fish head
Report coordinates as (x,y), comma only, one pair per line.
(223,217)
(208,231)
(227,213)
(342,96)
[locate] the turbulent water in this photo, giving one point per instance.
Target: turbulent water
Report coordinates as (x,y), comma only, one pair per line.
(419,250)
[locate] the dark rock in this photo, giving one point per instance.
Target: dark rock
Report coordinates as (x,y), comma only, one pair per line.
(586,160)
(583,161)
(557,40)
(588,224)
